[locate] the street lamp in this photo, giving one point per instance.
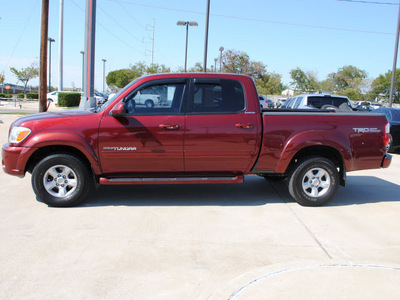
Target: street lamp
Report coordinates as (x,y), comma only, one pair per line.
(104,72)
(187,24)
(50,41)
(220,58)
(83,67)
(215,64)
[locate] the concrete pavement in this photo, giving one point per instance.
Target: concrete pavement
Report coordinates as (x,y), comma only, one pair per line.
(248,241)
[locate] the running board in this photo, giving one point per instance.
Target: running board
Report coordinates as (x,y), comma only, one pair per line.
(172,180)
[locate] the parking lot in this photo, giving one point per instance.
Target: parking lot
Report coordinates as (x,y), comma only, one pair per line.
(246,241)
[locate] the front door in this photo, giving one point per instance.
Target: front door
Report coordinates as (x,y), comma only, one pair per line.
(149,138)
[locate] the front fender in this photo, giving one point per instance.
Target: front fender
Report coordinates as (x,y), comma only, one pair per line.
(64,139)
(315,138)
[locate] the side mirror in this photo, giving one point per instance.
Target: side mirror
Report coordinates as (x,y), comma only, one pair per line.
(118,110)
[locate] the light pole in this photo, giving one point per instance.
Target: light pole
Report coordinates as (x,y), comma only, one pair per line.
(220,58)
(83,66)
(50,41)
(206,39)
(104,72)
(215,64)
(187,24)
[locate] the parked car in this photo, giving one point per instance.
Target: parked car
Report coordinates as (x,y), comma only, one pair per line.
(53,97)
(288,102)
(216,133)
(321,101)
(367,108)
(265,103)
(393,116)
(280,102)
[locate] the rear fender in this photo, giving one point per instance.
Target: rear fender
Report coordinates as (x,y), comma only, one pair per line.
(313,140)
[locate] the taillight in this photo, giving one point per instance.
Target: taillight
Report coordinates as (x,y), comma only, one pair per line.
(386,137)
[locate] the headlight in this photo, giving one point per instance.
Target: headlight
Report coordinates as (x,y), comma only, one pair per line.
(18,134)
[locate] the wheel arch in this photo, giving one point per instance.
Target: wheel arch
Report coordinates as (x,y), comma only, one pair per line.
(327,152)
(43,152)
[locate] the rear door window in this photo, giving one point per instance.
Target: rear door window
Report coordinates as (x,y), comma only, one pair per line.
(217,96)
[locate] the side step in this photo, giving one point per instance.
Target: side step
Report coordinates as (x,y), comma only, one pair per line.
(172,180)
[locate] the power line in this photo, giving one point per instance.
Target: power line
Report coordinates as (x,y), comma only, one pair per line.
(22,33)
(105,28)
(255,20)
(369,2)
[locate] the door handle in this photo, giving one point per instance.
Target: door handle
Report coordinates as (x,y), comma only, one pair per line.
(244,125)
(169,126)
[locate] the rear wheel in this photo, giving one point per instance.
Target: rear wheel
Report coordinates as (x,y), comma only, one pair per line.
(61,180)
(314,181)
(149,103)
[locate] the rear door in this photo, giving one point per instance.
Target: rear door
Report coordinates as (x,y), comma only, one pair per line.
(221,135)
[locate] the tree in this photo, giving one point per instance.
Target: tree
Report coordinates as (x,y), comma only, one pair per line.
(122,77)
(350,81)
(304,81)
(382,84)
(269,84)
(25,74)
(239,62)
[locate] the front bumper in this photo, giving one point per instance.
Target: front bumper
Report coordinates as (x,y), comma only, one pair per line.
(14,159)
(387,159)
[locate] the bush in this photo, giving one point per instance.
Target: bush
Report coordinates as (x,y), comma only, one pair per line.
(69,99)
(32,95)
(21,95)
(9,96)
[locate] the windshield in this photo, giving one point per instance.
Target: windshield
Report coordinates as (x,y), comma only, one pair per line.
(111,99)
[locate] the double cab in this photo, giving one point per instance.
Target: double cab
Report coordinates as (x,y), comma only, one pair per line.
(205,128)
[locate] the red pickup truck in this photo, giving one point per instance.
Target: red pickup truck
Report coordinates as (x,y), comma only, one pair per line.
(205,128)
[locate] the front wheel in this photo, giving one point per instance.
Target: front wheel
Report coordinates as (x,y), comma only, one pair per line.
(61,180)
(314,182)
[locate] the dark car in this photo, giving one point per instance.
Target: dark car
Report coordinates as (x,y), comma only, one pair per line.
(393,116)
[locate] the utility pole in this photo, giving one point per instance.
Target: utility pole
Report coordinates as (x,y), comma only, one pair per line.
(43,56)
(206,39)
(148,28)
(88,100)
(396,49)
(60,47)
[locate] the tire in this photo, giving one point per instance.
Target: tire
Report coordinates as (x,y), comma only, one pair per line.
(61,180)
(149,103)
(314,181)
(391,146)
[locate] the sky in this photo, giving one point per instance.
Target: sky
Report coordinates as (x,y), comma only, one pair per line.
(319,36)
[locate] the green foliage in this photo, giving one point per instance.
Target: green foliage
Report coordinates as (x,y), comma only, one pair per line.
(382,84)
(21,95)
(32,95)
(269,84)
(239,62)
(69,99)
(25,74)
(121,78)
(9,96)
(304,81)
